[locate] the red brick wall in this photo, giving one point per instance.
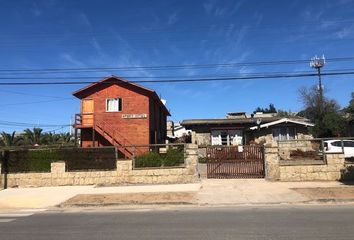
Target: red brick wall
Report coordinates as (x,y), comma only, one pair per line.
(134,101)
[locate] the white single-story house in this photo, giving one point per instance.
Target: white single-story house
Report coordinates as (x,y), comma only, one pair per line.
(240,128)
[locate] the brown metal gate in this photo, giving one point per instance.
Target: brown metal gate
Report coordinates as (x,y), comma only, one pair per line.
(235,161)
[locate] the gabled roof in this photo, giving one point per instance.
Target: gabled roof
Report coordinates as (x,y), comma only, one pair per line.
(114,80)
(221,121)
(283,120)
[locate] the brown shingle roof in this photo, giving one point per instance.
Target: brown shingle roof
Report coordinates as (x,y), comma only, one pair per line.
(189,122)
(114,79)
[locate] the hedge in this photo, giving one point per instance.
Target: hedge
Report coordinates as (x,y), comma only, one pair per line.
(76,159)
(27,160)
(172,157)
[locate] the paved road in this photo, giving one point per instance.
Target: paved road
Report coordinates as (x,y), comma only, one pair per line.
(311,222)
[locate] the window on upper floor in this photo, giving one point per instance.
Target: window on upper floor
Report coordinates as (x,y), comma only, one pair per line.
(113,104)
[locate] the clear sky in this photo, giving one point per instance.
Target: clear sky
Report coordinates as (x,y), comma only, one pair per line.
(79,34)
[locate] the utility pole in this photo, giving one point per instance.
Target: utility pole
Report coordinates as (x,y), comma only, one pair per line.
(318,63)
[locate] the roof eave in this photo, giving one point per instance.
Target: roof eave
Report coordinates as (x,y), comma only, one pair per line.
(284,120)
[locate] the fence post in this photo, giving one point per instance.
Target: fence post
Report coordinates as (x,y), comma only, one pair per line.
(133,160)
(342,145)
(5,157)
(75,132)
(323,152)
(116,152)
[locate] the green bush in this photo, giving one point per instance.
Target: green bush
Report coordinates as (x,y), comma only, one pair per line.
(151,159)
(31,160)
(173,157)
(79,159)
(76,159)
(347,174)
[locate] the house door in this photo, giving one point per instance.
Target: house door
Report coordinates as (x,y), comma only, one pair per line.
(87,112)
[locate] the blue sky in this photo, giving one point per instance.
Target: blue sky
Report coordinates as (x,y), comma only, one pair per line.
(79,34)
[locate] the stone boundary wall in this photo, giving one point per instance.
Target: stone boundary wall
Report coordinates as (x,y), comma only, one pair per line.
(124,174)
(330,170)
(285,147)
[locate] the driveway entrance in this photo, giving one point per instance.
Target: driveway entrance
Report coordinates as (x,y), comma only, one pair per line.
(235,161)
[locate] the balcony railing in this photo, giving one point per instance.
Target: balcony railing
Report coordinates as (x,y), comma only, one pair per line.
(84,120)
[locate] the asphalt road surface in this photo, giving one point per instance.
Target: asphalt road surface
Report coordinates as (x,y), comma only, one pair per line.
(310,222)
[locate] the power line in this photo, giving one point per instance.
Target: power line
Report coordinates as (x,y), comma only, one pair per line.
(22,124)
(56,129)
(154,77)
(250,77)
(174,30)
(29,94)
(36,102)
(167,67)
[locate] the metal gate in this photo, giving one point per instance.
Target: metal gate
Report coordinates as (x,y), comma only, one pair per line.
(235,161)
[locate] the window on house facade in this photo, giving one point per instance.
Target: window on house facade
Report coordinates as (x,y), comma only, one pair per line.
(226,137)
(113,104)
(284,133)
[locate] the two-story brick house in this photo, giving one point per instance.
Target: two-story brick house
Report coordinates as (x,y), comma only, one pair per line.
(116,112)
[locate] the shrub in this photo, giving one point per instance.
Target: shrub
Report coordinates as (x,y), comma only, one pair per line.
(347,174)
(173,157)
(76,159)
(151,159)
(30,160)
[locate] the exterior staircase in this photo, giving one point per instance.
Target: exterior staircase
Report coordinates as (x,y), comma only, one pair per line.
(115,138)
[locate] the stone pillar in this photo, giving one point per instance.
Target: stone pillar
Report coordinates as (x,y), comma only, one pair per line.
(124,167)
(194,137)
(124,171)
(192,159)
(57,167)
(271,158)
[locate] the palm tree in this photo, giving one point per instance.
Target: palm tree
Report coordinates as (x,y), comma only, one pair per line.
(65,138)
(33,137)
(50,138)
(9,140)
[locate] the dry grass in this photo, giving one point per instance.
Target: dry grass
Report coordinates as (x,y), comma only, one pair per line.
(337,193)
(87,200)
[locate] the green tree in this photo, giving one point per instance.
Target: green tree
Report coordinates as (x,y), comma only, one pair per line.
(284,113)
(270,109)
(65,138)
(350,116)
(50,138)
(34,136)
(57,139)
(350,109)
(9,140)
(325,113)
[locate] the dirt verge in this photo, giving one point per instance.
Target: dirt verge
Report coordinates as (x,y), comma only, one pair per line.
(88,200)
(327,194)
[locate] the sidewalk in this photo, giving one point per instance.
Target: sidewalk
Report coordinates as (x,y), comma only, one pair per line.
(45,197)
(257,191)
(210,192)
